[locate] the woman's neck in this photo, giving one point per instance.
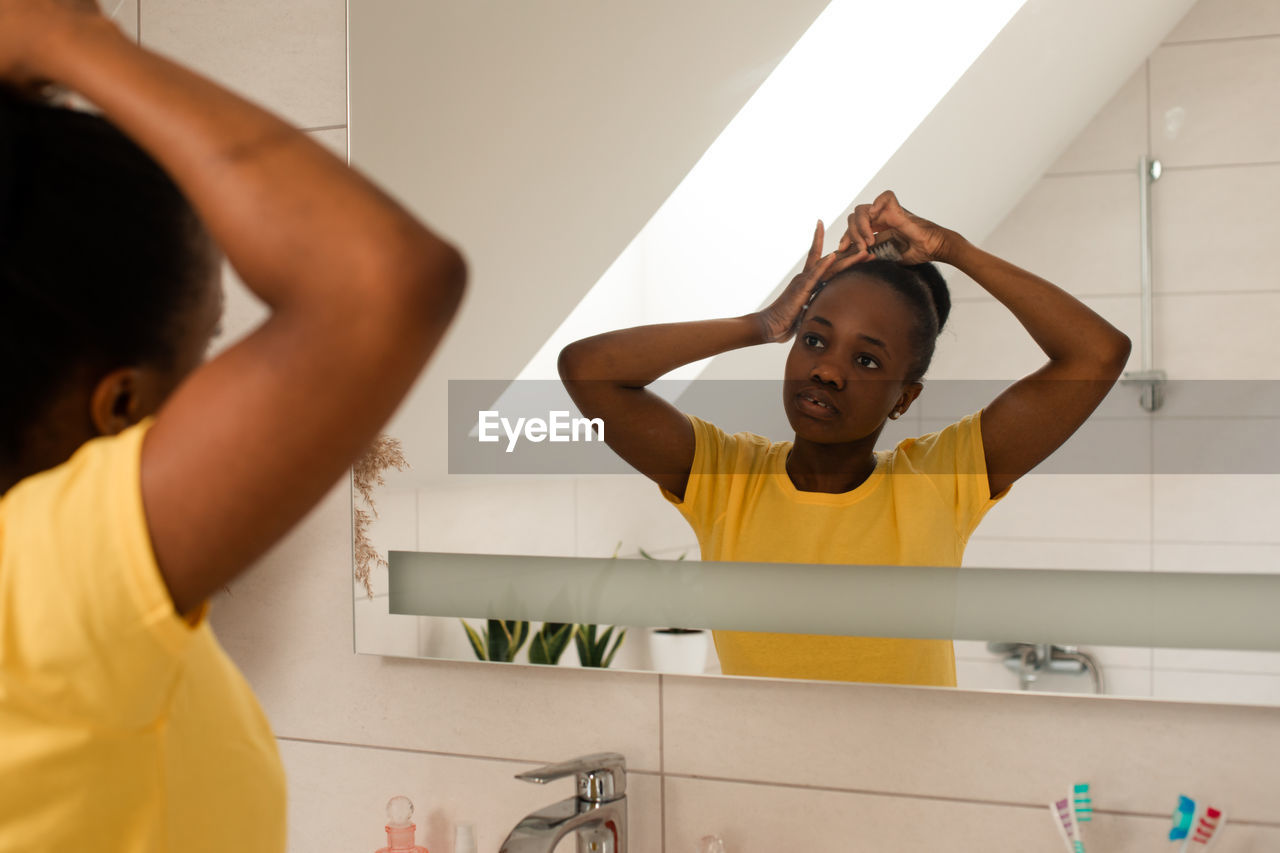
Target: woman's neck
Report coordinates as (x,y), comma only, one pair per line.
(831,468)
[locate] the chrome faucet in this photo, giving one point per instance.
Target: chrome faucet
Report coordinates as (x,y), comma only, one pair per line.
(597,815)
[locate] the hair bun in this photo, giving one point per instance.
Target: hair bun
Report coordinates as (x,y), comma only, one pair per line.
(938,290)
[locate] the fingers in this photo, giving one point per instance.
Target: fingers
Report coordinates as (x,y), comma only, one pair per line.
(860,234)
(843,261)
(822,269)
(815,249)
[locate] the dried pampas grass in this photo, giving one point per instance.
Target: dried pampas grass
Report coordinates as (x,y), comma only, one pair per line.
(384,454)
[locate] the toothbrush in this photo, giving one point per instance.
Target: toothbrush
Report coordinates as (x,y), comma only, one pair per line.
(1208,828)
(1081,812)
(1183,817)
(1061,811)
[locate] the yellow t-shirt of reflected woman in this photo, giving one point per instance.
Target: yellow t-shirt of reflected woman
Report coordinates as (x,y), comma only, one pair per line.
(918,508)
(123,726)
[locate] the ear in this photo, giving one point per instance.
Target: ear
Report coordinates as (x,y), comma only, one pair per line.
(910,391)
(118,401)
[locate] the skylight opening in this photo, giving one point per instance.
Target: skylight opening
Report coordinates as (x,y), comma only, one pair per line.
(843,100)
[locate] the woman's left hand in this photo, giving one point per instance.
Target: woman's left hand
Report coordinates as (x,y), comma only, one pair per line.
(885,220)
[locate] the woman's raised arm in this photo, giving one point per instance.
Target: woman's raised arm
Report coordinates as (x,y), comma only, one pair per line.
(606,375)
(1034,416)
(360,294)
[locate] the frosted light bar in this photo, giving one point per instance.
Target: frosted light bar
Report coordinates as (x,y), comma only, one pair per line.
(1071,607)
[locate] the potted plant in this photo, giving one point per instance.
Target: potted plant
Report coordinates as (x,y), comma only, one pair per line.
(594,648)
(679,651)
(550,642)
(500,641)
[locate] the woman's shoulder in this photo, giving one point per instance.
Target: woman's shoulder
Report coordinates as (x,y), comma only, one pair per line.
(947,449)
(745,451)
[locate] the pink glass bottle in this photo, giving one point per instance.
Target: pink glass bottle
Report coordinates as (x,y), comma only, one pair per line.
(400,829)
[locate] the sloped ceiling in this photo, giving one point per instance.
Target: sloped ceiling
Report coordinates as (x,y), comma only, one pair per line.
(542,136)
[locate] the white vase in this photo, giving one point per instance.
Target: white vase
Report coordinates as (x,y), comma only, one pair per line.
(679,654)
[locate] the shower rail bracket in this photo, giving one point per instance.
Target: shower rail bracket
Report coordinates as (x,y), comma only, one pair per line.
(1152,384)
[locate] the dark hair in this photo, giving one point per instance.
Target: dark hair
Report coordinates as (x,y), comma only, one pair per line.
(925,290)
(101,259)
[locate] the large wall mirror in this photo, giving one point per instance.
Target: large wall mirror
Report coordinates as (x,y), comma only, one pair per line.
(606,165)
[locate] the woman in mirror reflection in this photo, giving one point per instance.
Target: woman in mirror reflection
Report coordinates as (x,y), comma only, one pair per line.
(137,477)
(864,333)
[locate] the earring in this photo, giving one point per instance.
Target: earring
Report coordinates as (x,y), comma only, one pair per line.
(894,415)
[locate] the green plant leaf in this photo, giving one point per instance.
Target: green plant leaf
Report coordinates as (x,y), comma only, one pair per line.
(580,641)
(479,646)
(505,639)
(617,644)
(550,643)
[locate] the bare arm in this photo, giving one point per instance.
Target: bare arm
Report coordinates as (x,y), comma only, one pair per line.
(1037,414)
(607,375)
(360,295)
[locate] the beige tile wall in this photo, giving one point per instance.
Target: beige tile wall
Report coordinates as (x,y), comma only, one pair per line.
(772,765)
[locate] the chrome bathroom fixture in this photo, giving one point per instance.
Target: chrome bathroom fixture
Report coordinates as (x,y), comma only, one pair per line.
(1148,377)
(597,815)
(1029,660)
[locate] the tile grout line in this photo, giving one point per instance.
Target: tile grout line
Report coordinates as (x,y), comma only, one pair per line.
(756,782)
(1189,167)
(662,766)
(1151,534)
(934,797)
(1221,39)
(1158,541)
(1203,167)
(435,752)
(980,299)
(323,127)
(1146,123)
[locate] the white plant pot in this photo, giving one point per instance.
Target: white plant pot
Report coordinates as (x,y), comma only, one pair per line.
(679,654)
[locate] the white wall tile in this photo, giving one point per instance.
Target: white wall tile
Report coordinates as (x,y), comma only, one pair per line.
(1008,748)
(490,515)
(288,625)
(338,796)
(983,340)
(1213,228)
(1116,137)
(629,510)
(1043,553)
(1215,508)
(1215,557)
(1214,103)
(805,819)
(767,819)
(290,56)
(1109,507)
(1216,19)
(1078,231)
(1217,336)
(1246,688)
(1205,660)
(382,633)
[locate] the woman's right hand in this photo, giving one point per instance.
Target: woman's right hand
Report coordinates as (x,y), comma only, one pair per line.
(25,28)
(780,319)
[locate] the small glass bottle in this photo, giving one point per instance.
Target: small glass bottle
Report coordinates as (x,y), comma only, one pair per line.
(400,828)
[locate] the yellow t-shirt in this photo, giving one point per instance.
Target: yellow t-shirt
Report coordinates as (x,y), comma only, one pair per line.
(123,726)
(918,508)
